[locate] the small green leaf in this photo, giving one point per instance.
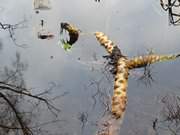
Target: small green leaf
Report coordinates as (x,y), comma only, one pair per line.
(66,46)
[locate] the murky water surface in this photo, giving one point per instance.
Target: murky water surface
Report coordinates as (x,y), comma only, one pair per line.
(134,26)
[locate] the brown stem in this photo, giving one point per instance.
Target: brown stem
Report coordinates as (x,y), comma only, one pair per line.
(142,61)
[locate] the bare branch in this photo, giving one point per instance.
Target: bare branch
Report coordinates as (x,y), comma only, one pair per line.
(10,28)
(171,6)
(25,129)
(142,61)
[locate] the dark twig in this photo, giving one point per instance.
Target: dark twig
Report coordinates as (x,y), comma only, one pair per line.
(25,129)
(10,28)
(171,6)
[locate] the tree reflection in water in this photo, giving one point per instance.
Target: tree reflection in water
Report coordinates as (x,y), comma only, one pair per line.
(19,106)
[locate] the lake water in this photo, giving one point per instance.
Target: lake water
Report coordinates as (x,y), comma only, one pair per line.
(134,26)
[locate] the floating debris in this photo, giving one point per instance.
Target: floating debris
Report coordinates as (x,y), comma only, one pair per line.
(47,35)
(42,5)
(37,12)
(43,33)
(42,23)
(73,35)
(65,45)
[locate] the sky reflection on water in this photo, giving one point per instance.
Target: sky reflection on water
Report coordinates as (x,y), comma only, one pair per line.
(135,26)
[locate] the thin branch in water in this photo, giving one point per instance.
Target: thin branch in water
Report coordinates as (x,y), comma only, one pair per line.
(26,130)
(11,29)
(147,76)
(172,6)
(100,95)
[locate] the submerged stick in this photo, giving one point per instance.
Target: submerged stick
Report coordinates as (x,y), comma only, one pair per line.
(110,124)
(142,61)
(110,47)
(119,98)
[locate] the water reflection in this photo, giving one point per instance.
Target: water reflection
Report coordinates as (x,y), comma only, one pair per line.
(11,30)
(20,106)
(134,27)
